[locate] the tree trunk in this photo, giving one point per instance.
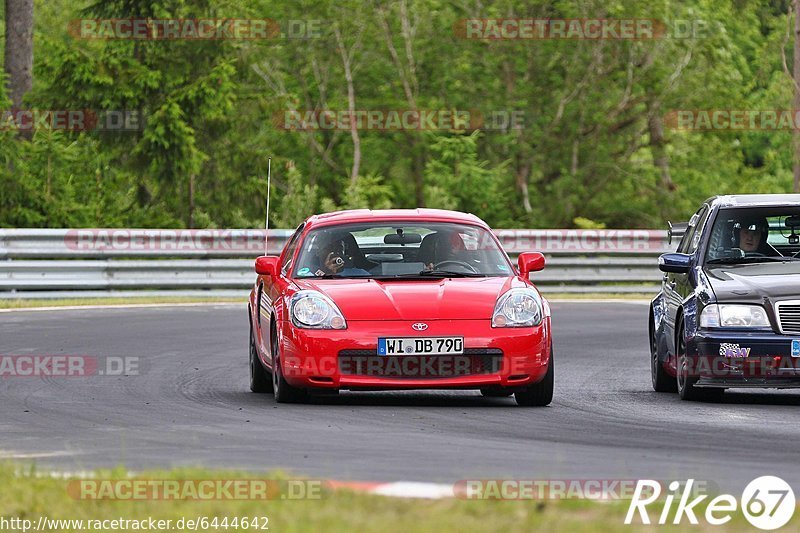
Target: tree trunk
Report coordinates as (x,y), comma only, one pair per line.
(19,49)
(408,77)
(351,102)
(521,175)
(418,168)
(655,128)
(351,106)
(191,202)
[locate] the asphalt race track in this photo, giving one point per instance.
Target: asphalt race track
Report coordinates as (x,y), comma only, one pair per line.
(191,405)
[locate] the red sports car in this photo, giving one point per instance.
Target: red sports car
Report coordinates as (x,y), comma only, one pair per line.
(398,299)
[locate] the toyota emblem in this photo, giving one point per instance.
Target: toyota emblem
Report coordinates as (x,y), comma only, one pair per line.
(419,326)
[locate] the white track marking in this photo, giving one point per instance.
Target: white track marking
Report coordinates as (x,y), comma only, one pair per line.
(123,306)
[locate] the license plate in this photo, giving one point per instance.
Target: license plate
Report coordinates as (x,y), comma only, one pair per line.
(796,348)
(420,345)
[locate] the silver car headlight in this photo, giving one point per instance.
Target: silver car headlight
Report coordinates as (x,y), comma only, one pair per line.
(734,316)
(313,310)
(518,308)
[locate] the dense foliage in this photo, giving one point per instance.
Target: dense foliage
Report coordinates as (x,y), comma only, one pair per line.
(593,148)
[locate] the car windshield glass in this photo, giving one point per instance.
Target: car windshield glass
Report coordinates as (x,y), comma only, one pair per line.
(403,250)
(754,235)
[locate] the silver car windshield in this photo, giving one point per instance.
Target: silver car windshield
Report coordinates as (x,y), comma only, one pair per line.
(754,234)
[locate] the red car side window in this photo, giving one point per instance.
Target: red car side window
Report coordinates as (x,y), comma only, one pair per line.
(290,248)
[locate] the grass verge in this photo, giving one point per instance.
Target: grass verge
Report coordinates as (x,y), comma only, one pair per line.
(29,496)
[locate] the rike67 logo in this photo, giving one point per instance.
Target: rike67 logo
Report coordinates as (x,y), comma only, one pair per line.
(767,503)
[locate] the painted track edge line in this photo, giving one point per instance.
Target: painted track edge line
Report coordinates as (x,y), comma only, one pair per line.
(595,301)
(396,489)
(399,489)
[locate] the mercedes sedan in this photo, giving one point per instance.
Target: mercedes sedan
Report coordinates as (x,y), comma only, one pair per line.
(728,314)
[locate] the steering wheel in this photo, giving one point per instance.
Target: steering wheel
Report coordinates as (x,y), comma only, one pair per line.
(464,264)
(754,254)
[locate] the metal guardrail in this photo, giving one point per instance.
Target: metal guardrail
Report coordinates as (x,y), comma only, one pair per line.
(132,243)
(61,263)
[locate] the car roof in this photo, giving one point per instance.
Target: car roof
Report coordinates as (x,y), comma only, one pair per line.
(754,200)
(393,215)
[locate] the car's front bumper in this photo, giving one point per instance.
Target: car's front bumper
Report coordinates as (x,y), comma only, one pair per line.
(348,359)
(746,359)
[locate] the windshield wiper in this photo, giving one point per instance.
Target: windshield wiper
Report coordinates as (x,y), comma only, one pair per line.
(428,274)
(742,260)
(450,274)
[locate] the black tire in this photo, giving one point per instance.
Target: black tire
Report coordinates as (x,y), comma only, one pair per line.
(538,394)
(284,393)
(260,379)
(496,393)
(685,384)
(662,381)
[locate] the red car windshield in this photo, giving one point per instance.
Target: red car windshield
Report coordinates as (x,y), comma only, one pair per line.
(403,249)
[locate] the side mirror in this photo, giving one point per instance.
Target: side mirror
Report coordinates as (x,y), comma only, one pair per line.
(530,262)
(675,263)
(267,265)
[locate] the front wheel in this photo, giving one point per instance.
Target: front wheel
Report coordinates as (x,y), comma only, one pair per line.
(538,394)
(662,381)
(685,383)
(284,393)
(260,379)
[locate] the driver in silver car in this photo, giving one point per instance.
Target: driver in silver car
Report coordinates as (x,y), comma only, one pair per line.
(751,235)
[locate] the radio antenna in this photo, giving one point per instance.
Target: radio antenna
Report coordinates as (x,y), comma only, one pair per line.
(266,226)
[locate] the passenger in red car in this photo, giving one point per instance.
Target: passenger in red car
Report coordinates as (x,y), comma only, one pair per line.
(334,260)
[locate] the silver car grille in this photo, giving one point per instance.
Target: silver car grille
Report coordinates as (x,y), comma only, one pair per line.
(788,316)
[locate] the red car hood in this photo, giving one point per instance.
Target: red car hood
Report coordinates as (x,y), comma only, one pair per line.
(439,299)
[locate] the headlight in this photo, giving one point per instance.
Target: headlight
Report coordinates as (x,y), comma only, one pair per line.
(517,308)
(314,310)
(734,316)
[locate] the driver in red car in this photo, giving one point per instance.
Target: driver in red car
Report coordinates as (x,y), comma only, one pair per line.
(443,246)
